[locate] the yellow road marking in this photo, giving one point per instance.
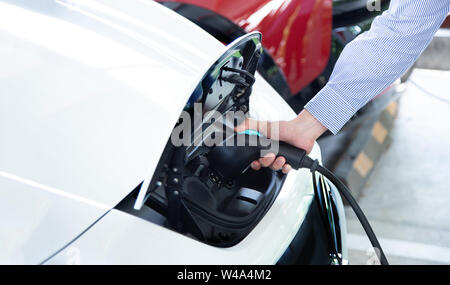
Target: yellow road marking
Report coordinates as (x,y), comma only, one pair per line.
(363,164)
(392,108)
(379,132)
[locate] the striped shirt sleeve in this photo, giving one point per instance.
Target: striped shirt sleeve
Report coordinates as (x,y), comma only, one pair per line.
(377,58)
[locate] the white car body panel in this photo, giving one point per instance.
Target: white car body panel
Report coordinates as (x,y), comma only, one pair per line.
(89,93)
(89,96)
(137,241)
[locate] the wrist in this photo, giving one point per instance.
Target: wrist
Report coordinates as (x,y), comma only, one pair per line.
(306,129)
(309,124)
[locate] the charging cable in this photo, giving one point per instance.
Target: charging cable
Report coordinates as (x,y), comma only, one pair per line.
(232,157)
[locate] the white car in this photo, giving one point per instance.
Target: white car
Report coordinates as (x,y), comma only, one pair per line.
(90,92)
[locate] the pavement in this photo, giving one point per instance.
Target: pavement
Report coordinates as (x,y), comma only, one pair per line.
(436,54)
(407,197)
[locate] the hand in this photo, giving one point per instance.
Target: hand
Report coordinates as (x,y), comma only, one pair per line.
(301,132)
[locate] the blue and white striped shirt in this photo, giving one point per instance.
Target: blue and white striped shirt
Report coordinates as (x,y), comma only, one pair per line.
(376,58)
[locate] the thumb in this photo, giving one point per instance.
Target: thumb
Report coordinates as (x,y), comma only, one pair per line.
(263,127)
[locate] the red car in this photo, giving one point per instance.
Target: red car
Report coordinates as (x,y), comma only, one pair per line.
(296,34)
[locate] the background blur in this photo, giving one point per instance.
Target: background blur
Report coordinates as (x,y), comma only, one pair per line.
(407,194)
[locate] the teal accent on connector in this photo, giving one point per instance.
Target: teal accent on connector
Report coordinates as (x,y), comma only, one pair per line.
(250,133)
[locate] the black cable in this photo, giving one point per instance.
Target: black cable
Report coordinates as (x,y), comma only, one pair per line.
(242,72)
(230,160)
(307,163)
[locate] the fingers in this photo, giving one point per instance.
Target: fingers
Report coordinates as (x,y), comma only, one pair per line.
(271,161)
(267,160)
(286,168)
(278,163)
(256,165)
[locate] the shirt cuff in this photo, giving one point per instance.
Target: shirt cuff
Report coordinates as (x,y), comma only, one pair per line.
(330,109)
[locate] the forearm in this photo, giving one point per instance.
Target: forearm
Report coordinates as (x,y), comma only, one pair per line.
(375,59)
